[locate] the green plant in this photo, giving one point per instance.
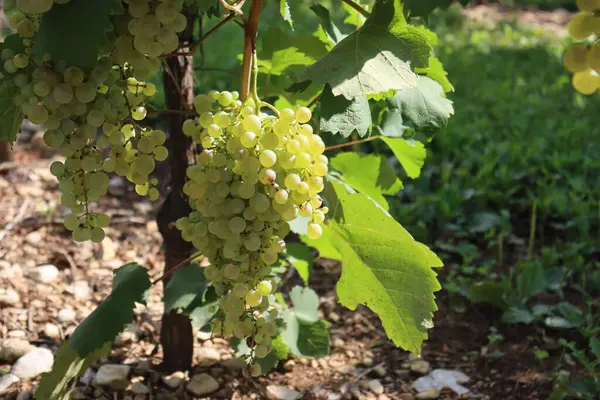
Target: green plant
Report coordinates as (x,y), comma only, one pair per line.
(253,171)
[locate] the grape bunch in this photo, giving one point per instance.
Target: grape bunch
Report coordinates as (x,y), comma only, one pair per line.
(583,59)
(94,117)
(256,173)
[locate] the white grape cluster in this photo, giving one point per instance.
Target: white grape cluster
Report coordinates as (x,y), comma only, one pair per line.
(583,59)
(74,105)
(256,173)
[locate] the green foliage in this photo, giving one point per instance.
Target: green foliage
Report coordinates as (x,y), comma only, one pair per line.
(60,32)
(376,58)
(281,51)
(384,268)
(422,8)
(301,258)
(409,153)
(329,27)
(280,351)
(342,116)
(94,336)
(286,14)
(11,115)
(370,174)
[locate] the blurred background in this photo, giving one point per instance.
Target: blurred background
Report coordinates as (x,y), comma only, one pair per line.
(509,198)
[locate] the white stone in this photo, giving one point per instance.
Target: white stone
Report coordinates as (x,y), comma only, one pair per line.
(139,388)
(81,290)
(33,363)
(44,273)
(439,379)
(34,238)
(17,334)
(66,315)
(51,330)
(208,356)
(109,249)
(88,377)
(13,349)
(9,297)
(375,386)
(430,394)
(6,381)
(174,380)
(113,375)
(10,271)
(276,392)
(202,384)
(419,366)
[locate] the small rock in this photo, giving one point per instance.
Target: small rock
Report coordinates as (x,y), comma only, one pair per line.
(113,375)
(208,356)
(109,248)
(334,317)
(6,381)
(81,290)
(276,392)
(77,394)
(375,386)
(88,377)
(380,371)
(51,330)
(430,393)
(131,334)
(234,363)
(139,388)
(26,395)
(203,336)
(142,367)
(32,364)
(442,378)
(338,342)
(174,380)
(419,366)
(9,297)
(383,397)
(34,238)
(66,315)
(44,273)
(406,396)
(17,334)
(10,271)
(202,384)
(13,349)
(289,365)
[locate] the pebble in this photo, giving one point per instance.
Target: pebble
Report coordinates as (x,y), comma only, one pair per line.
(174,380)
(334,317)
(276,392)
(113,375)
(109,249)
(9,297)
(33,363)
(139,388)
(51,330)
(131,334)
(234,363)
(430,393)
(202,384)
(406,396)
(81,290)
(13,349)
(66,315)
(17,334)
(375,386)
(208,356)
(338,342)
(289,365)
(10,271)
(6,381)
(419,366)
(34,238)
(26,395)
(44,273)
(380,371)
(203,336)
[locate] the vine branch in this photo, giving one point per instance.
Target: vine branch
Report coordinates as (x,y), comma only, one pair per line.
(175,268)
(358,8)
(352,143)
(250,32)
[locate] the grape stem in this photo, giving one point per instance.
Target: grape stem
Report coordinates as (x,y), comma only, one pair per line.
(339,146)
(250,32)
(175,268)
(358,8)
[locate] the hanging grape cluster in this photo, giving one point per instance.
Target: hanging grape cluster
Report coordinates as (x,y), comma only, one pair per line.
(256,173)
(583,59)
(74,105)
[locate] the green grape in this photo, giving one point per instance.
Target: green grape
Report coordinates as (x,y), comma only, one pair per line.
(139,113)
(265,288)
(102,220)
(97,235)
(158,137)
(586,82)
(314,231)
(593,58)
(71,222)
(231,271)
(253,298)
(82,234)
(161,153)
(261,351)
(581,26)
(588,5)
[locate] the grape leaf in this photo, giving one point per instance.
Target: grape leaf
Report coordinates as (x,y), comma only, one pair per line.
(353,18)
(410,153)
(11,115)
(375,58)
(16,45)
(324,244)
(280,51)
(383,267)
(304,333)
(424,108)
(343,116)
(184,287)
(301,258)
(436,71)
(76,32)
(369,174)
(94,336)
(331,30)
(284,10)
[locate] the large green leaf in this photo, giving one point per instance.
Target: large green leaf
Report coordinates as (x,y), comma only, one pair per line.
(368,173)
(331,30)
(11,115)
(383,267)
(281,51)
(76,32)
(376,58)
(184,288)
(301,258)
(410,153)
(343,116)
(424,108)
(93,337)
